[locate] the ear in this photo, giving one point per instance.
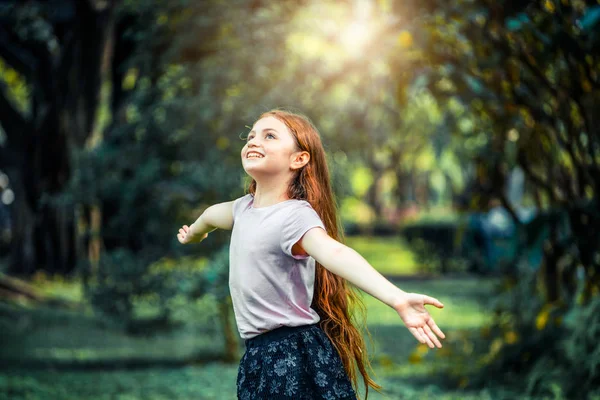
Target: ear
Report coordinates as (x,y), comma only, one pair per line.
(299,159)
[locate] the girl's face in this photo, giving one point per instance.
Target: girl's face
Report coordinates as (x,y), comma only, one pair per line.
(269,149)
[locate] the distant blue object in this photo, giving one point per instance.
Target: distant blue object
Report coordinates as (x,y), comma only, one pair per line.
(590,19)
(514,24)
(495,234)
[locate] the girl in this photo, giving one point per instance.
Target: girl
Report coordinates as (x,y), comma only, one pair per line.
(288,272)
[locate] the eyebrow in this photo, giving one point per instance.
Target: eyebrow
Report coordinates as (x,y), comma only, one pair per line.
(264,130)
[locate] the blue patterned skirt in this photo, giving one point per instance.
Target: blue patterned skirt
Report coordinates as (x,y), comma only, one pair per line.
(292,363)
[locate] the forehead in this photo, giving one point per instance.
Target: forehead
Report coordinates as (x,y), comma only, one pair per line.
(270,123)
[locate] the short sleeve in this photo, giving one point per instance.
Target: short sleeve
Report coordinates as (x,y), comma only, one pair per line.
(301,218)
(239,205)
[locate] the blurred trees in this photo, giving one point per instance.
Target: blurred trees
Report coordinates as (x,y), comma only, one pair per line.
(142,161)
(51,57)
(529,74)
(116,136)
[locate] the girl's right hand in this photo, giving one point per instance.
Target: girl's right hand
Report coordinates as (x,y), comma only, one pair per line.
(417,319)
(185,236)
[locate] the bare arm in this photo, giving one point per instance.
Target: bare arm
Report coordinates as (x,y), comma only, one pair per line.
(347,263)
(216,216)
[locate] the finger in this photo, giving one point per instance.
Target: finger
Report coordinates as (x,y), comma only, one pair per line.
(433,301)
(417,335)
(435,328)
(432,336)
(186,228)
(427,340)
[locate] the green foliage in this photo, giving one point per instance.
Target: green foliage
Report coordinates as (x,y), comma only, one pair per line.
(16,87)
(525,75)
(130,289)
(147,297)
(438,246)
(164,157)
(214,280)
(538,349)
(581,348)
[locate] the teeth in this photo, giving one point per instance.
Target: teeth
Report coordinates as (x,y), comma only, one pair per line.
(254,155)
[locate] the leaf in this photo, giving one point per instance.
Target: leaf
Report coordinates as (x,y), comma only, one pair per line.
(405,39)
(475,84)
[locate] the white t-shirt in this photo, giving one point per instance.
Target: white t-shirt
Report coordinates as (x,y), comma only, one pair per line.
(269,286)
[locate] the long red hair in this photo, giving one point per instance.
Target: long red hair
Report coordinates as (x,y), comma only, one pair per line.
(333,298)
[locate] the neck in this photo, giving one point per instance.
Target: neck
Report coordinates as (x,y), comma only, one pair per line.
(270,192)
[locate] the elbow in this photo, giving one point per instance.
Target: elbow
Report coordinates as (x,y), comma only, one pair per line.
(338,250)
(335,253)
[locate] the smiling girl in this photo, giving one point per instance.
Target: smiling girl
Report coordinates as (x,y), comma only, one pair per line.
(289,272)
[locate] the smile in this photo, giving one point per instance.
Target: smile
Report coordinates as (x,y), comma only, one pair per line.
(254,154)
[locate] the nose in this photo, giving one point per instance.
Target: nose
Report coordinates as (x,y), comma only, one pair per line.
(251,142)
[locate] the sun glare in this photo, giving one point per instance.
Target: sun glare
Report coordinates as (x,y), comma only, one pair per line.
(355,37)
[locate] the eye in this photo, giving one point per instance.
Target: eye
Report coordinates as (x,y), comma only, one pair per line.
(270,134)
(249,137)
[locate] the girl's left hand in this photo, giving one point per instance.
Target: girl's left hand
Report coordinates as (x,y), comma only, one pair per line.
(418,321)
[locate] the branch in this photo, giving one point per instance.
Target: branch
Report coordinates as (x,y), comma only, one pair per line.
(536,179)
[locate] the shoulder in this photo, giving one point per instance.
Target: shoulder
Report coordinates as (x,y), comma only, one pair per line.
(301,212)
(302,207)
(294,203)
(242,203)
(245,199)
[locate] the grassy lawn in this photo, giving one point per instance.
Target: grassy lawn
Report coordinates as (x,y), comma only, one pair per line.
(399,357)
(388,255)
(62,335)
(405,368)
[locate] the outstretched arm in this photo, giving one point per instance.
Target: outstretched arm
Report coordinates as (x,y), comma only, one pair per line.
(216,216)
(347,263)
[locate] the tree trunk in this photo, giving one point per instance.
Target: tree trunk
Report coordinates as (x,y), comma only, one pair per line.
(23,256)
(228,331)
(63,109)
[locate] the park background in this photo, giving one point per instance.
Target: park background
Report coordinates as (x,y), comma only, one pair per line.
(463,138)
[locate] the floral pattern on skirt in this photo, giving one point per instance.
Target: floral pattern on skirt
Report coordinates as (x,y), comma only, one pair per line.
(292,363)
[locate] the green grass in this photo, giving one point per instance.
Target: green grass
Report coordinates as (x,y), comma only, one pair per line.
(63,335)
(211,381)
(405,368)
(58,288)
(399,357)
(389,255)
(463,299)
(214,381)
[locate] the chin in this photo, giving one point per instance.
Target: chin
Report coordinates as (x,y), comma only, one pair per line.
(250,171)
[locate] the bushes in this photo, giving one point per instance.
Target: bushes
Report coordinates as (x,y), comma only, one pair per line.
(538,349)
(438,245)
(142,296)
